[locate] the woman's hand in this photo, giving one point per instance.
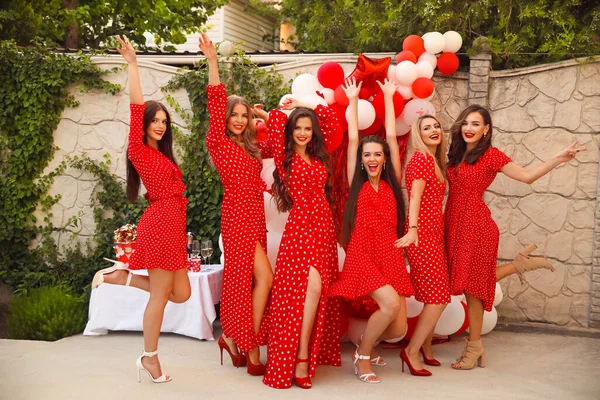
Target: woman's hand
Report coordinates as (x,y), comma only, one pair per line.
(259,112)
(388,87)
(351,89)
(411,237)
(126,50)
(207,47)
(568,153)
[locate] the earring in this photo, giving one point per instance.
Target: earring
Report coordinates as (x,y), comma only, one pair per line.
(384,165)
(362,166)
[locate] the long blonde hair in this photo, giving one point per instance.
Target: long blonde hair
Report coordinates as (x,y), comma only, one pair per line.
(247,140)
(416,144)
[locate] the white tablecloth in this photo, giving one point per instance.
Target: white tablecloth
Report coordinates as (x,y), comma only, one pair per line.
(121,308)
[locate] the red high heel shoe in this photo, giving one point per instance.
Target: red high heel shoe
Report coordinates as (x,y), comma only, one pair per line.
(303,383)
(254,369)
(429,361)
(420,372)
(236,359)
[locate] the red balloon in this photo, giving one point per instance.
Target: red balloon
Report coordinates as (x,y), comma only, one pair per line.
(340,97)
(375,126)
(369,71)
(330,75)
(379,105)
(261,130)
(447,63)
(415,44)
(465,324)
(334,140)
(341,114)
(406,55)
(364,93)
(423,88)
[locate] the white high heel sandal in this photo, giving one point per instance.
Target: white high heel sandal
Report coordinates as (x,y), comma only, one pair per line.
(140,367)
(99,276)
(364,377)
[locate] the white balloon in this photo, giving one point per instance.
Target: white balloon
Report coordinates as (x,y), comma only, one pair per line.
(498,296)
(273,242)
(221,242)
(406,72)
(402,128)
(425,35)
(275,220)
(305,84)
(430,58)
(226,48)
(434,43)
(341,257)
(222,259)
(366,114)
(451,319)
(391,73)
(453,41)
(424,69)
(405,91)
(413,307)
(329,95)
(415,108)
(314,100)
(490,318)
(267,171)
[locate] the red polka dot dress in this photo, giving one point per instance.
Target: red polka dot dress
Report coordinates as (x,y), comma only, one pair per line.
(161,241)
(308,241)
(242,223)
(372,261)
(472,236)
(428,267)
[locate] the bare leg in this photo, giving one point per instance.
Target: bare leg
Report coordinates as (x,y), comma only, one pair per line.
(263,281)
(427,348)
(311,304)
(505,270)
(475,312)
(181,283)
(427,320)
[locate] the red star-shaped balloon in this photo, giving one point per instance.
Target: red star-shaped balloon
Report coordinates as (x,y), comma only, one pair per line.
(369,71)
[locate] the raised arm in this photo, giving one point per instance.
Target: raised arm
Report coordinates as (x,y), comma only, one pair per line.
(389,88)
(128,53)
(210,52)
(276,128)
(530,175)
(352,92)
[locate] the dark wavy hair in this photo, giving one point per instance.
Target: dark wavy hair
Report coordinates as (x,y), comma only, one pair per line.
(360,177)
(315,149)
(165,146)
(458,146)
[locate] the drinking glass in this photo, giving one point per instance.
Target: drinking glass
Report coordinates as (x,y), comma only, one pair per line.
(206,250)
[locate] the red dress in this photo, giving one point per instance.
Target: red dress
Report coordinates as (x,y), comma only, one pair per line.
(161,241)
(471,234)
(242,223)
(308,241)
(372,261)
(428,267)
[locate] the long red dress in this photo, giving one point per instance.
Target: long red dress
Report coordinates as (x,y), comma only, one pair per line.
(372,261)
(472,236)
(428,266)
(308,241)
(242,223)
(161,241)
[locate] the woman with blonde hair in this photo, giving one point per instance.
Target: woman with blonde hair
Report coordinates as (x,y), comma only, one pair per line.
(424,237)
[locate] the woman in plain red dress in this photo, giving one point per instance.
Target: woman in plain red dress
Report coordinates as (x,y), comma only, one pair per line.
(161,241)
(471,234)
(304,329)
(374,268)
(247,274)
(424,238)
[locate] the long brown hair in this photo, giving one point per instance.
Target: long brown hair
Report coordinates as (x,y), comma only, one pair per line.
(247,140)
(315,149)
(165,146)
(458,146)
(360,177)
(416,143)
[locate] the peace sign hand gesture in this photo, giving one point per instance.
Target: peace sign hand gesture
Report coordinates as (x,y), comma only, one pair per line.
(126,50)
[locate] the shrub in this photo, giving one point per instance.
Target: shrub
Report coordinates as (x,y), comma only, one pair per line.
(47,313)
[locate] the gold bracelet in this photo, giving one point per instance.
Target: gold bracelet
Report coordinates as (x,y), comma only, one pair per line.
(414,226)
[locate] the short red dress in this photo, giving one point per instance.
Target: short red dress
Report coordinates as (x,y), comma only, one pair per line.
(372,261)
(161,241)
(428,267)
(308,240)
(472,236)
(242,223)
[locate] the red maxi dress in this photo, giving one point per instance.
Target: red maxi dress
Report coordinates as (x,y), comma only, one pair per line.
(242,223)
(161,241)
(472,236)
(372,261)
(428,266)
(308,241)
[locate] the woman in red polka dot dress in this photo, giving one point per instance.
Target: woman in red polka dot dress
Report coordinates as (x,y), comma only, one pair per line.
(424,238)
(161,241)
(247,273)
(374,268)
(472,236)
(305,328)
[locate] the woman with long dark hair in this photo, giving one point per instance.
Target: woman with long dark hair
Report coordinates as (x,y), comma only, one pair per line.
(305,329)
(247,274)
(472,236)
(373,220)
(161,241)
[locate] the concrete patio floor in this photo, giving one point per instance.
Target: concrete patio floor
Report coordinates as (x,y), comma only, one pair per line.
(520,366)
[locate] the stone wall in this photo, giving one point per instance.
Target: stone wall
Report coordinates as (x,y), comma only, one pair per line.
(536,111)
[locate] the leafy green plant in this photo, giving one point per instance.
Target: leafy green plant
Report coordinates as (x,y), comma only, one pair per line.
(47,313)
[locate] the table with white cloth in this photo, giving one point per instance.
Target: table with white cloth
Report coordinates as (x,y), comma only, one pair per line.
(121,308)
